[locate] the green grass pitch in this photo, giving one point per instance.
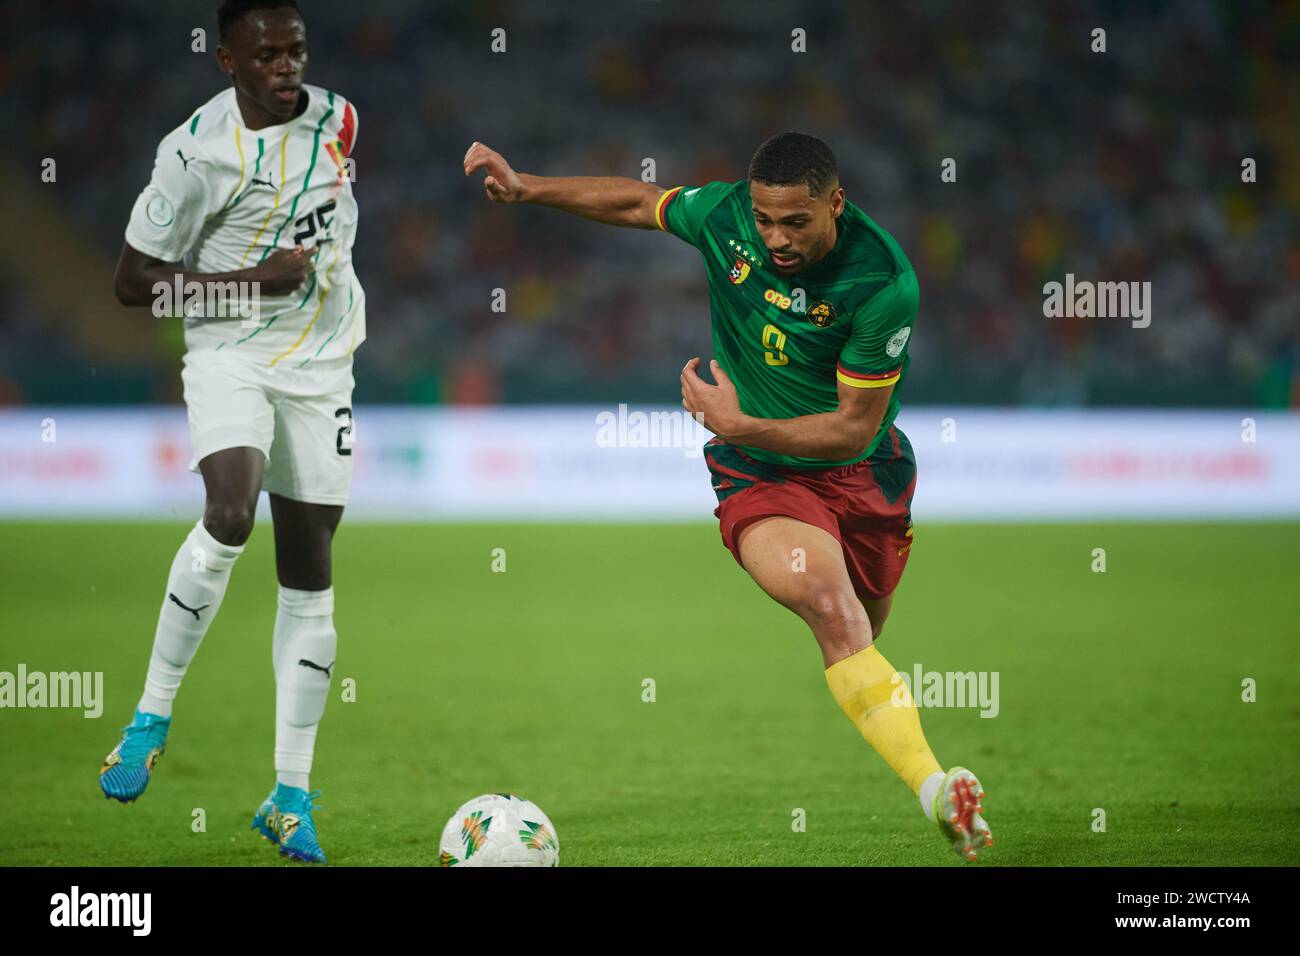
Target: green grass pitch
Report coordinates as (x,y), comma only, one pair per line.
(1119,690)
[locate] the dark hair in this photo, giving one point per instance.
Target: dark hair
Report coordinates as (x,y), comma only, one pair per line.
(233,10)
(791,159)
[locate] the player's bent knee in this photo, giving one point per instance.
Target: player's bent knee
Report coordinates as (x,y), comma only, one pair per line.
(229,522)
(834,611)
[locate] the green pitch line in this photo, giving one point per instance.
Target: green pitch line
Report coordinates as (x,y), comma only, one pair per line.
(1119,691)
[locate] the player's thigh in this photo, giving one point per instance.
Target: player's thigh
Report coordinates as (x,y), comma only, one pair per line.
(876,529)
(227,407)
(304,535)
(232,480)
(799,565)
(876,557)
(232,424)
(232,477)
(311,457)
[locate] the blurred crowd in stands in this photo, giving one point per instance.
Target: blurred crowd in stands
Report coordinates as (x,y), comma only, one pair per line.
(1125,165)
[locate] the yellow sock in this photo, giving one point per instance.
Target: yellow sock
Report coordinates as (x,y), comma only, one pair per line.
(882,709)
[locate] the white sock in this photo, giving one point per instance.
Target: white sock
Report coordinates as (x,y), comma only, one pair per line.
(928,789)
(302,653)
(197,582)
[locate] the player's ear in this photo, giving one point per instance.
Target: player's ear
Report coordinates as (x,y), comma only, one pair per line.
(226,62)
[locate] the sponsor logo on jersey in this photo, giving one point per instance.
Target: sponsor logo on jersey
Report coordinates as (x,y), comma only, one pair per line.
(778,299)
(895,345)
(821,314)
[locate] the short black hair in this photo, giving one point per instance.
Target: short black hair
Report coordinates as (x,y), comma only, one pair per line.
(233,10)
(791,159)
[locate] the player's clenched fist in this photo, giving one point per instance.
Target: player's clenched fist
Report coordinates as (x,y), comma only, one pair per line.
(284,270)
(717,405)
(502,184)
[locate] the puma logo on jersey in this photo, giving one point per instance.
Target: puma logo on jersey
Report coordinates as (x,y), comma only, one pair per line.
(185,163)
(254,181)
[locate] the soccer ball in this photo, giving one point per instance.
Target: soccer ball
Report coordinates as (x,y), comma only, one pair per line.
(499,829)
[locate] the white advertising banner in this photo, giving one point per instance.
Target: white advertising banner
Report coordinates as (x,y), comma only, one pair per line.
(644,464)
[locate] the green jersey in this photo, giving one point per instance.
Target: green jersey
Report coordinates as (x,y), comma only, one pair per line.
(786,341)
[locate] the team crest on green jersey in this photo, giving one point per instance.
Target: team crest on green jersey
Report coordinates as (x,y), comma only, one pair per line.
(821,314)
(744,259)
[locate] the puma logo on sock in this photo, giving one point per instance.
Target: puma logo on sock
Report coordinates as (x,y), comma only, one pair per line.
(192,610)
(303,662)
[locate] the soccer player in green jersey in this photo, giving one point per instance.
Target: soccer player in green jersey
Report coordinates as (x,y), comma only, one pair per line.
(812,306)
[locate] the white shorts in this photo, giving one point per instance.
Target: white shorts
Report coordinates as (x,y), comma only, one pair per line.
(300,419)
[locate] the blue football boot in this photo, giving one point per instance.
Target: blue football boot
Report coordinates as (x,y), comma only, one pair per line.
(285,819)
(127,768)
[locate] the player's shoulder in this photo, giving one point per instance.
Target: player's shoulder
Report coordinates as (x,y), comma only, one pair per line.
(333,114)
(873,260)
(708,196)
(686,210)
(203,127)
(190,156)
(730,194)
(871,247)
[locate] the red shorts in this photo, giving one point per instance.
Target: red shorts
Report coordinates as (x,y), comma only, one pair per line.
(867,506)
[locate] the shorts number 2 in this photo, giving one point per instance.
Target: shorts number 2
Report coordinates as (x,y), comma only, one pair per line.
(343,444)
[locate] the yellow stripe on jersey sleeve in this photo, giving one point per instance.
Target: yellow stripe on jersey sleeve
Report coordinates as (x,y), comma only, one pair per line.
(661,204)
(857,382)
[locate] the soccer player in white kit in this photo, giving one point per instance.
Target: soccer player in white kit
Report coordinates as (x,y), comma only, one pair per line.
(253,188)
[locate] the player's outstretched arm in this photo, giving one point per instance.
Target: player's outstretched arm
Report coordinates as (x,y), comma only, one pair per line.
(613,200)
(137,274)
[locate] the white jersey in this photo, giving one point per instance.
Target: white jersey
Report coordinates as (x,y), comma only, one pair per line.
(222,197)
